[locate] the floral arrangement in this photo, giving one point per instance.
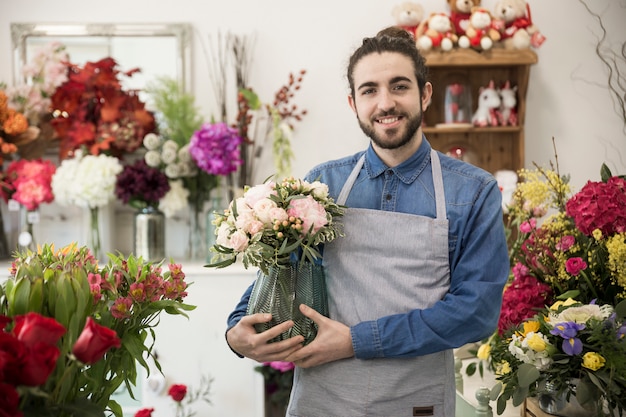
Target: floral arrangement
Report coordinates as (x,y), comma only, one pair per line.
(578,349)
(28,182)
(184,398)
(562,247)
(141,186)
(274,220)
(103,314)
(93,111)
(87,181)
(215,148)
(25,112)
(278,378)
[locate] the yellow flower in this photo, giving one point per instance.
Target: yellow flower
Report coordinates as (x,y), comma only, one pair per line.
(597,234)
(536,342)
(530,326)
(503,368)
(568,302)
(593,361)
(484,351)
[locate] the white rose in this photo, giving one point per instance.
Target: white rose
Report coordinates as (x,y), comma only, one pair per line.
(319,190)
(223,235)
(263,209)
(239,241)
(258,192)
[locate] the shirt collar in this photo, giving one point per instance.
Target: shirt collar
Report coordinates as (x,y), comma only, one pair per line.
(407,171)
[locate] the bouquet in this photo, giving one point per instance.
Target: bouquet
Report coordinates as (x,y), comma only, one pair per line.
(141,186)
(274,221)
(571,349)
(28,182)
(104,316)
(95,112)
(277,227)
(562,247)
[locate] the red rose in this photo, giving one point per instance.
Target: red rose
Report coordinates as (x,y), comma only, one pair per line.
(94,341)
(177,392)
(9,401)
(144,412)
(33,328)
(12,354)
(38,364)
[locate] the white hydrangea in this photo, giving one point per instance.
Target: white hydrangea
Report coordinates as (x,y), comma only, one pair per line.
(521,350)
(86,181)
(175,199)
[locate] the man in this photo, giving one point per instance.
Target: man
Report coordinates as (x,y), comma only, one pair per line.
(419,272)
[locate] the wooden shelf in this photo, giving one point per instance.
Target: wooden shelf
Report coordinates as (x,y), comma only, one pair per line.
(492,148)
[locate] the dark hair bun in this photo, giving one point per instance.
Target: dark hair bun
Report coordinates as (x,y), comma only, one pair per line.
(395,32)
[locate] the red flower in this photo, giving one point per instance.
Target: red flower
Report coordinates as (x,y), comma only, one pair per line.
(600,205)
(33,328)
(94,342)
(9,401)
(177,392)
(521,300)
(144,412)
(38,364)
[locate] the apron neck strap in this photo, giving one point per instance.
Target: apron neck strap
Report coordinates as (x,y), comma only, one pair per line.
(440,198)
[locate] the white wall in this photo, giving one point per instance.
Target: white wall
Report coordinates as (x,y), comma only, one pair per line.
(567,99)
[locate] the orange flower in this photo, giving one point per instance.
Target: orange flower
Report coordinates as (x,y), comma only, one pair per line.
(15,123)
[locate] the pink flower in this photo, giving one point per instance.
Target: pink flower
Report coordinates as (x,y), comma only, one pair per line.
(575,265)
(281,366)
(528,226)
(566,243)
(239,241)
(29,182)
(312,213)
(600,205)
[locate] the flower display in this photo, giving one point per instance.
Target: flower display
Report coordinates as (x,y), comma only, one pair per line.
(579,349)
(86,180)
(28,182)
(274,220)
(93,111)
(25,112)
(278,378)
(215,148)
(141,186)
(567,252)
(87,323)
(184,397)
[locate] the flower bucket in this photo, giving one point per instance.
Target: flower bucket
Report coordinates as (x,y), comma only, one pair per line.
(281,292)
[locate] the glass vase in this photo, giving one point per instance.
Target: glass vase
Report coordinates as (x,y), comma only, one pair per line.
(216,206)
(556,403)
(94,233)
(149,234)
(196,248)
(26,238)
(280,293)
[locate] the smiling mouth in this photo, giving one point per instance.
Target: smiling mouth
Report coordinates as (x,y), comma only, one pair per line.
(388,120)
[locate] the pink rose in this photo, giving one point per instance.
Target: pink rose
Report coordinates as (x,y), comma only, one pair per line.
(238,241)
(575,265)
(528,226)
(258,192)
(312,213)
(263,209)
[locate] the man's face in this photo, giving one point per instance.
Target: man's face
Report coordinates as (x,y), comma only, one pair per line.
(387,100)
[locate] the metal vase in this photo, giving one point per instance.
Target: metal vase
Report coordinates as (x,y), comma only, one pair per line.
(149,233)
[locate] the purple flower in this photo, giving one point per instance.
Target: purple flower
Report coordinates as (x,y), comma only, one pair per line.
(140,185)
(568,331)
(215,148)
(621,332)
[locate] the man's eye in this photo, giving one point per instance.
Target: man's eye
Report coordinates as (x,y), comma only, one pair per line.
(400,87)
(368,91)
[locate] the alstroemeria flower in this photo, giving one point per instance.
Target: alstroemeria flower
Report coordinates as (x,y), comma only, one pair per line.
(94,341)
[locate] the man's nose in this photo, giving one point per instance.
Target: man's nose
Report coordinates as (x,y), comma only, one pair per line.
(386,101)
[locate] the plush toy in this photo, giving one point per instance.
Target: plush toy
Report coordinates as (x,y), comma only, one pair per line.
(408,15)
(460,12)
(507,113)
(436,32)
(486,113)
(518,31)
(482,31)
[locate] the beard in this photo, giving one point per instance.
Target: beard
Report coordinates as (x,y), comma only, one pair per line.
(405,137)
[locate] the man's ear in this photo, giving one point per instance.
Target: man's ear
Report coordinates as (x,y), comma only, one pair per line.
(427,95)
(351,103)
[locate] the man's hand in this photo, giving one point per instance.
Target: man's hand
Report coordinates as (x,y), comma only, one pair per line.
(244,339)
(333,342)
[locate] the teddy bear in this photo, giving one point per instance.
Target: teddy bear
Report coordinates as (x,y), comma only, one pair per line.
(460,12)
(408,15)
(518,31)
(482,31)
(436,32)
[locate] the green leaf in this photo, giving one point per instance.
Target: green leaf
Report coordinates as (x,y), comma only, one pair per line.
(568,294)
(36,296)
(251,97)
(605,173)
(620,310)
(519,395)
(471,369)
(20,294)
(495,391)
(584,392)
(527,374)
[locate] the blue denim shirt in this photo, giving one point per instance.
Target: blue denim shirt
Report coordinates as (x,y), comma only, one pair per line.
(479,263)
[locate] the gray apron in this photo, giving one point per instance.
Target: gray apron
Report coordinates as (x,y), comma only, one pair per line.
(387,263)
